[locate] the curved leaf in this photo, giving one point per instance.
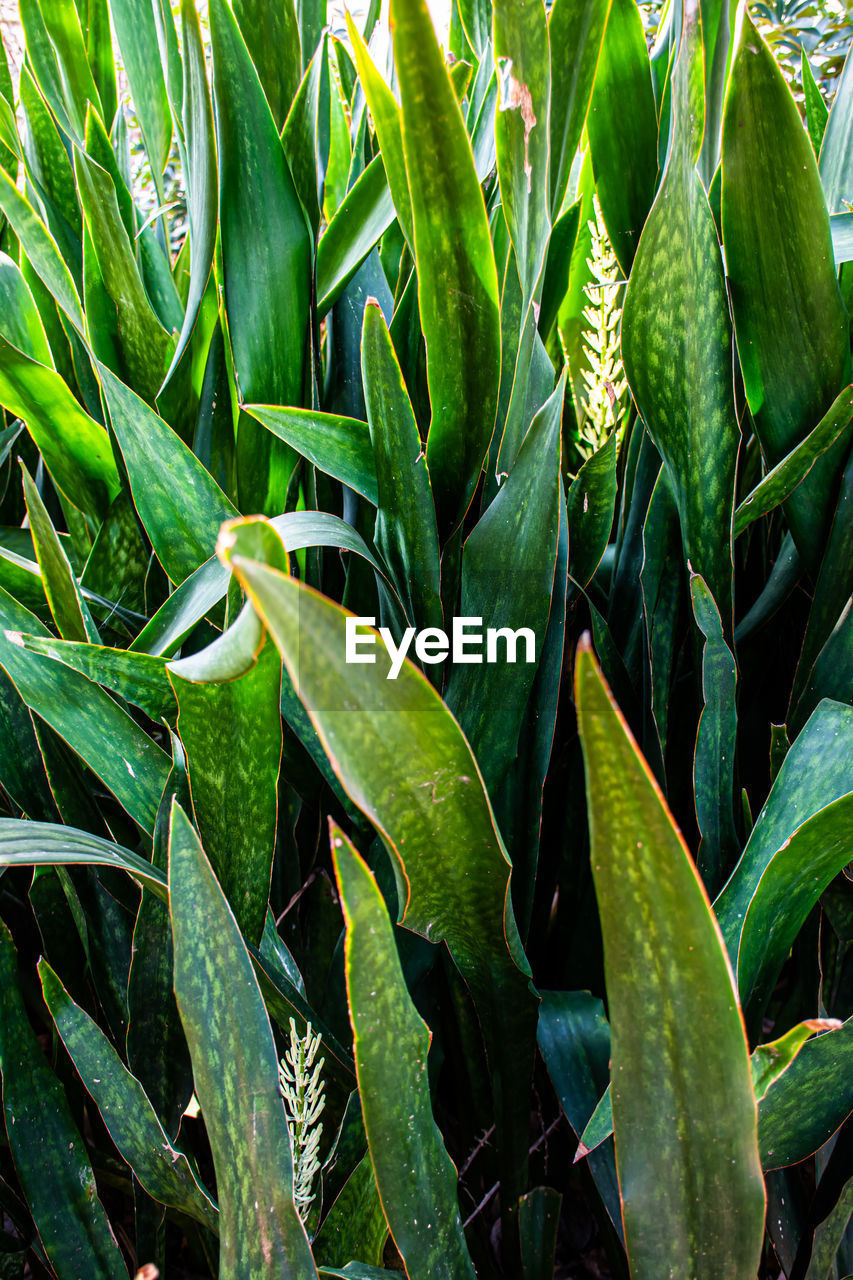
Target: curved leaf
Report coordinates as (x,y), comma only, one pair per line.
(692,1189)
(40,844)
(339,446)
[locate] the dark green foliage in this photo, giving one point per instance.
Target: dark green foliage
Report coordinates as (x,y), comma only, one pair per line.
(350,342)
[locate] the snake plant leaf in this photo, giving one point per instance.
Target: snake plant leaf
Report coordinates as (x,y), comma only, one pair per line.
(539,1222)
(405,535)
(229,721)
(69,609)
(770,1061)
(179,503)
(48,164)
(817,112)
(42,250)
(49,1153)
(22,324)
(591,504)
(677,343)
(414,1174)
(236,1074)
(338,446)
(362,218)
(387,122)
(836,151)
(200,174)
(99,50)
(517,535)
(457,278)
(806,1104)
(157,1052)
(162,1169)
(522,133)
(39,844)
(782,279)
(355,1224)
(781,481)
(135,768)
(623,132)
(439,803)
(574,1039)
(75,448)
(57,53)
(135,677)
(271,33)
(301,135)
(136,32)
(800,840)
(716,736)
(266,257)
(692,1190)
(146,347)
(581,22)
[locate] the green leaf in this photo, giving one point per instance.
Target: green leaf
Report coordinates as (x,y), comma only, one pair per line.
(49,1153)
(146,347)
(414,1173)
(539,1222)
(266,256)
(800,841)
(782,279)
(39,844)
(716,736)
(457,278)
(179,503)
(522,133)
(406,535)
(579,25)
(386,121)
(41,250)
(677,342)
(574,1039)
(136,32)
(162,1169)
(770,1061)
(75,448)
(69,609)
(836,151)
(781,481)
(135,677)
(591,503)
(229,720)
(21,322)
(57,54)
(404,762)
(692,1190)
(236,1074)
(355,1224)
(338,446)
(363,217)
(817,112)
(806,1104)
(135,768)
(623,132)
(508,564)
(200,174)
(271,32)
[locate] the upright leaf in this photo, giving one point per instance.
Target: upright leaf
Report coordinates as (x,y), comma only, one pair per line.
(406,533)
(782,279)
(266,256)
(676,340)
(457,278)
(414,1174)
(581,22)
(692,1190)
(136,31)
(235,1066)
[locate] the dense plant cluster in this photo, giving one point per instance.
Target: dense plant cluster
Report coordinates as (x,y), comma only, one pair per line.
(530,967)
